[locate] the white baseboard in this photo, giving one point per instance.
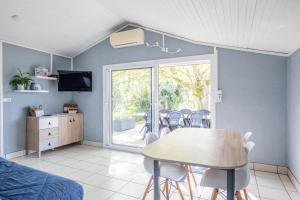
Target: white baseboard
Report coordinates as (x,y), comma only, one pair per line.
(91,143)
(15,154)
(269,168)
(294,180)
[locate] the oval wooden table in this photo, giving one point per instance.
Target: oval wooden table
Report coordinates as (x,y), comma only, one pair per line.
(211,148)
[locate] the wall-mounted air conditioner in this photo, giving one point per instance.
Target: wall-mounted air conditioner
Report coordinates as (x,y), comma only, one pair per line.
(127,38)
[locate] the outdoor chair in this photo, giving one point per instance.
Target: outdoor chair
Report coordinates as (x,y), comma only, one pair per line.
(205,120)
(185,115)
(174,120)
(196,119)
(148,125)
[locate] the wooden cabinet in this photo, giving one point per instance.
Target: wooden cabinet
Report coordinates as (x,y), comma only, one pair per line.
(63,130)
(49,132)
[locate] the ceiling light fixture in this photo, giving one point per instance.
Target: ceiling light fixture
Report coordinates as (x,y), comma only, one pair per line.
(162,48)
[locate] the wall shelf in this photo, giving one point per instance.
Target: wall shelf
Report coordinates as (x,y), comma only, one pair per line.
(31,91)
(46,78)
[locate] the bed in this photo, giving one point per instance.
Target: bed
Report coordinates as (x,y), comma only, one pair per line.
(21,182)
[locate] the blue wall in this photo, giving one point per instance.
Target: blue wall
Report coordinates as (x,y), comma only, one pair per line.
(254,100)
(102,54)
(293,116)
(15,112)
(254,88)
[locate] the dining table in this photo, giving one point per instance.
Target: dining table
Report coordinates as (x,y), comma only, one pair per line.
(210,148)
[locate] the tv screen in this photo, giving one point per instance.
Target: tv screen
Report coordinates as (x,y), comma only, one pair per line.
(74,81)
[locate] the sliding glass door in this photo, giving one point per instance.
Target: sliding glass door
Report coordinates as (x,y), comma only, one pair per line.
(158,97)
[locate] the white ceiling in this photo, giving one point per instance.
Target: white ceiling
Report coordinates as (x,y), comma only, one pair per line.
(69,26)
(60,26)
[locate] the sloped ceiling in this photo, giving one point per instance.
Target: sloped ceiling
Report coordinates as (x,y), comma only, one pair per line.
(69,26)
(60,26)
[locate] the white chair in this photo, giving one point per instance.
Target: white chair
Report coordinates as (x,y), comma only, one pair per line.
(217,179)
(247,136)
(172,173)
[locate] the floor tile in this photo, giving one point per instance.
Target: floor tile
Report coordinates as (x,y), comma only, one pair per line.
(64,171)
(270,182)
(79,175)
(98,194)
(118,196)
(96,180)
(273,194)
(287,183)
(267,175)
(133,189)
(105,182)
(87,188)
(294,195)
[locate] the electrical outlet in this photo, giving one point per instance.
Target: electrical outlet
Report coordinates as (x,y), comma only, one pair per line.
(7,100)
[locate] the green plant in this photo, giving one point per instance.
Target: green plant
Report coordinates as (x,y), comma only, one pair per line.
(170,95)
(20,79)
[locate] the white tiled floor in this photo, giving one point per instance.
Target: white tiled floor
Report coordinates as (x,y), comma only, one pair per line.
(113,175)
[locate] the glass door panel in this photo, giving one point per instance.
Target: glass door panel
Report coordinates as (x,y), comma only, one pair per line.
(131,100)
(184,95)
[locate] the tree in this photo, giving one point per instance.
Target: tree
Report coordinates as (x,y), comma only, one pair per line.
(194,78)
(170,95)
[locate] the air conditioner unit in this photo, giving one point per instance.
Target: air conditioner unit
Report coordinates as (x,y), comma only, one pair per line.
(127,38)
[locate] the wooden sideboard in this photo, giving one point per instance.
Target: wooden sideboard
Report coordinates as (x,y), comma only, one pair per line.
(49,132)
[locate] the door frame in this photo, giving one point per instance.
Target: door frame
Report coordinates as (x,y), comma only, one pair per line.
(106,80)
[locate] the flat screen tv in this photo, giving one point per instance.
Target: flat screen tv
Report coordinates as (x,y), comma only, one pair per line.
(74,81)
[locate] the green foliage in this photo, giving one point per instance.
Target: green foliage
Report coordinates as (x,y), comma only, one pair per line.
(194,79)
(131,93)
(20,79)
(180,86)
(170,95)
(142,101)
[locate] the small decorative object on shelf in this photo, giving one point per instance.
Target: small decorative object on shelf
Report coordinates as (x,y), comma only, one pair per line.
(41,71)
(70,108)
(35,86)
(36,111)
(21,80)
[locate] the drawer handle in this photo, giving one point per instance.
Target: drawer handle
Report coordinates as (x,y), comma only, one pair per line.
(70,120)
(73,120)
(49,144)
(49,133)
(49,123)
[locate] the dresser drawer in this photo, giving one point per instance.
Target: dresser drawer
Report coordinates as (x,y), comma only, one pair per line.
(48,144)
(48,133)
(49,122)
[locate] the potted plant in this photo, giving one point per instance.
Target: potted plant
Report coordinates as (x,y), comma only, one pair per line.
(21,80)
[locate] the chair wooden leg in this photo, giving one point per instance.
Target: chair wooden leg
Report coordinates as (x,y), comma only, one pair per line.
(246,194)
(214,194)
(167,189)
(179,190)
(147,188)
(189,184)
(238,195)
(191,172)
(164,188)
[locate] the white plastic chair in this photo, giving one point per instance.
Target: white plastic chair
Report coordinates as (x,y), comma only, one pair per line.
(217,179)
(170,172)
(247,136)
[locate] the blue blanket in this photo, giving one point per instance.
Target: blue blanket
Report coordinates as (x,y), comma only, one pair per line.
(20,182)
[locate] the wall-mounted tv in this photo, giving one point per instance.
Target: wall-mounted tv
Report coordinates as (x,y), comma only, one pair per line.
(74,81)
